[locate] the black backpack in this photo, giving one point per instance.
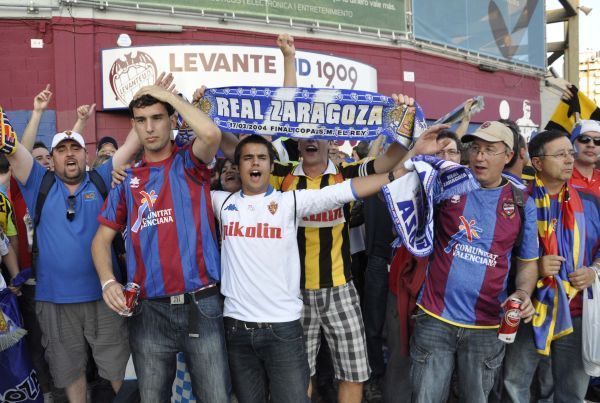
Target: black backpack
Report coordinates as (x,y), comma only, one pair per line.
(47,182)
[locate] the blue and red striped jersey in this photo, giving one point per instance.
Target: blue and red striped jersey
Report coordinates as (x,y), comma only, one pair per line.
(165,208)
(474,238)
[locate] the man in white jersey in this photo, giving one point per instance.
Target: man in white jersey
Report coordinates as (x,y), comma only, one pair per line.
(261,270)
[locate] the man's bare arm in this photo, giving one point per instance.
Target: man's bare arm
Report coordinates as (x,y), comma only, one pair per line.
(40,104)
(84,112)
(527,276)
(286,45)
(127,151)
(112,291)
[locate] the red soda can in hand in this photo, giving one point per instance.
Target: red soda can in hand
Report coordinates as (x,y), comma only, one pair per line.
(131,292)
(510,320)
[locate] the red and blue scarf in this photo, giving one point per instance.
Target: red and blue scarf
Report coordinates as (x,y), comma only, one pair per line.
(561,233)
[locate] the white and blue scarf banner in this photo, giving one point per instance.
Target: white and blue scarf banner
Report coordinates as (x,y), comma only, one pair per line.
(316,113)
(411,199)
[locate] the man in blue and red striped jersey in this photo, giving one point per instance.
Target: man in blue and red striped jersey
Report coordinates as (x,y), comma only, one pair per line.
(465,287)
(164,204)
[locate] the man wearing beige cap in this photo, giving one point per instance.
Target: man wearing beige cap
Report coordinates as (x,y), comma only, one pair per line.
(460,303)
(69,305)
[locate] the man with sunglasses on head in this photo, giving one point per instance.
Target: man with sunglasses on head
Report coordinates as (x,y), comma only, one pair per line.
(69,305)
(586,142)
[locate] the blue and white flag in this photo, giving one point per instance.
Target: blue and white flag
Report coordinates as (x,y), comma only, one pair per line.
(19,382)
(411,199)
(328,114)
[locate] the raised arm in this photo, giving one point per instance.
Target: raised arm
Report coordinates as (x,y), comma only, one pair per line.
(83,114)
(126,152)
(208,135)
(286,45)
(395,152)
(40,104)
(463,127)
(21,163)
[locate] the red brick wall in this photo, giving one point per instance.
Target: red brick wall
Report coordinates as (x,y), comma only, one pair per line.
(70,62)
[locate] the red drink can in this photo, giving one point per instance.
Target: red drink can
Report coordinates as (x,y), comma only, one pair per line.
(131,292)
(510,320)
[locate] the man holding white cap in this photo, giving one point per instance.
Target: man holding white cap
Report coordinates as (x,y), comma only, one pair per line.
(460,302)
(69,304)
(586,140)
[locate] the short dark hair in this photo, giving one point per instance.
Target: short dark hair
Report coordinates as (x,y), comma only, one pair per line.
(361,149)
(148,100)
(536,145)
(449,134)
(4,164)
(39,144)
(518,141)
(253,139)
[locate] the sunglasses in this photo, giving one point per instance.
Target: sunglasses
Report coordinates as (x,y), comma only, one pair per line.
(71,208)
(584,139)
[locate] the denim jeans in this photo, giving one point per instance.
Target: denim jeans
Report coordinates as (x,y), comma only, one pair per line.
(268,362)
(570,379)
(437,347)
(160,330)
(520,364)
(376,286)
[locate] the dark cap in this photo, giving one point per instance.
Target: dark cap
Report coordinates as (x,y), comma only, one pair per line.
(106,140)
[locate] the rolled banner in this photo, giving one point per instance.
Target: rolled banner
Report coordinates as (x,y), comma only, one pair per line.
(411,199)
(8,138)
(458,113)
(312,113)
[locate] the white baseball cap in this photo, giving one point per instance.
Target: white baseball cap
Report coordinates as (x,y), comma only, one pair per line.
(67,135)
(590,126)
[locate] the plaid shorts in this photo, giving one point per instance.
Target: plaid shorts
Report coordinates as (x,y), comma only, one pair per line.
(337,311)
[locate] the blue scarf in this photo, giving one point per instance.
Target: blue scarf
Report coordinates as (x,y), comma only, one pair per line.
(412,198)
(312,113)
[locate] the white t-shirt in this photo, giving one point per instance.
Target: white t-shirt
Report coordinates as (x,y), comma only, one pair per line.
(260,261)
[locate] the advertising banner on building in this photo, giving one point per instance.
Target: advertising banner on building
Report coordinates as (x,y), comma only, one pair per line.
(512,30)
(126,70)
(383,14)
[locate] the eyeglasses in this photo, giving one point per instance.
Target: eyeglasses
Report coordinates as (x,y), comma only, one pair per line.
(71,208)
(474,151)
(561,155)
(585,139)
(451,153)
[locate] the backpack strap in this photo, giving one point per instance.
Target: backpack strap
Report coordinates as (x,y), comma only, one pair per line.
(97,180)
(221,215)
(47,181)
(295,208)
(519,199)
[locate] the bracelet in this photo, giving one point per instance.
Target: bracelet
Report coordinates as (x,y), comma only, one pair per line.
(107,282)
(520,289)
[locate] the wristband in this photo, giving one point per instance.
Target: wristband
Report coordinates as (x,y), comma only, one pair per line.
(391,176)
(107,282)
(520,289)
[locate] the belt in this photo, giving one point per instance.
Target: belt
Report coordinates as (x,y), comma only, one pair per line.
(181,299)
(231,322)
